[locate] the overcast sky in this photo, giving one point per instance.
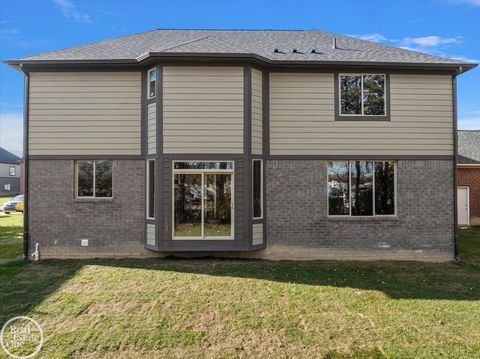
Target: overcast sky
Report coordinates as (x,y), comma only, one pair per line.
(441,27)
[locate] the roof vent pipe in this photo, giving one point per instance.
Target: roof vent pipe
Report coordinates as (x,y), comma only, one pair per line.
(334,43)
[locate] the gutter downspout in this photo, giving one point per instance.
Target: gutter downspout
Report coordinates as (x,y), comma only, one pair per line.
(455,150)
(25,156)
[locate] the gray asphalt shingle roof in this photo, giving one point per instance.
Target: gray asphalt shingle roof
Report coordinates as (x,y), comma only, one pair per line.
(469,147)
(8,157)
(260,43)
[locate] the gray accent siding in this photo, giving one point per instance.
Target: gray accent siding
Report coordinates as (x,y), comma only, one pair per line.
(151,234)
(257,112)
(257,236)
(152,128)
(302,119)
(203,109)
(85,113)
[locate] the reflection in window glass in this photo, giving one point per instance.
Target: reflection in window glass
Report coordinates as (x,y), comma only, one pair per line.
(188,205)
(152,79)
(203,165)
(362,188)
(373,94)
(338,188)
(85,179)
(351,94)
(257,189)
(103,178)
(218,205)
(384,188)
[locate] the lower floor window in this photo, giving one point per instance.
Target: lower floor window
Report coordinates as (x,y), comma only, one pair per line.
(361,188)
(202,200)
(94,179)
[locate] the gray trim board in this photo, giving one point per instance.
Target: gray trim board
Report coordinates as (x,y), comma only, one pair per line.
(159,206)
(86,157)
(183,156)
(143,111)
(360,157)
(247,110)
(266,112)
(336,92)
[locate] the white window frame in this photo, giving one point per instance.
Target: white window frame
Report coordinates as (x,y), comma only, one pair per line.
(149,82)
(261,187)
(148,188)
(94,174)
(10,171)
(349,215)
(203,172)
(385,111)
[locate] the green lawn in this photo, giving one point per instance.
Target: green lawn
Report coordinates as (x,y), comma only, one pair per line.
(11,233)
(207,308)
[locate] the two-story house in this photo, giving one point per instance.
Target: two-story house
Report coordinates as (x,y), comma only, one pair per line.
(268,144)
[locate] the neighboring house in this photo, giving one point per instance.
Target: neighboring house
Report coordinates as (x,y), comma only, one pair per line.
(270,144)
(468,178)
(9,173)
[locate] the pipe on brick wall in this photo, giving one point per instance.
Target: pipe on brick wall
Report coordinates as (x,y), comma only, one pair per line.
(26,162)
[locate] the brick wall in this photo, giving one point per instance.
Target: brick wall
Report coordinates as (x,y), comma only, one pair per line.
(58,221)
(297,213)
(471,177)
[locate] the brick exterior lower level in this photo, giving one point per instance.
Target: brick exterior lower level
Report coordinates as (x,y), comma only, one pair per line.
(296,215)
(297,221)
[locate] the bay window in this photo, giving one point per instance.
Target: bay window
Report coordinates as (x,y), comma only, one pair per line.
(257,189)
(151,189)
(203,200)
(361,188)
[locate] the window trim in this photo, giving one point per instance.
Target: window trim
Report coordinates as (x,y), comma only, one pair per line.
(373,192)
(203,172)
(94,174)
(148,83)
(148,188)
(261,187)
(362,117)
(10,171)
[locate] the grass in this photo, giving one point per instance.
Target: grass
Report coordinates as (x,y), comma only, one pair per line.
(205,308)
(11,232)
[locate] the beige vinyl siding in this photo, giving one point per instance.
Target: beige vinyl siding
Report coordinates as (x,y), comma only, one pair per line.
(257,115)
(257,236)
(152,128)
(85,113)
(302,118)
(151,234)
(202,109)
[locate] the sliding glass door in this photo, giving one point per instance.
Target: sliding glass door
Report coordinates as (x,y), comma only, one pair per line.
(203,200)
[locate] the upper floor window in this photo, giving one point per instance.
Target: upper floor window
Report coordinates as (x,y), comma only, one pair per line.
(94,179)
(152,80)
(362,95)
(12,171)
